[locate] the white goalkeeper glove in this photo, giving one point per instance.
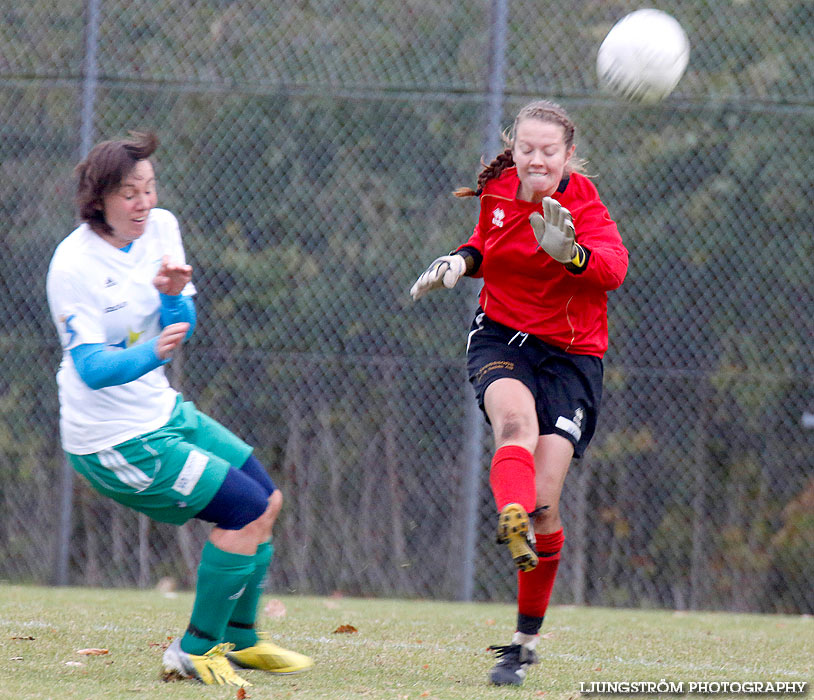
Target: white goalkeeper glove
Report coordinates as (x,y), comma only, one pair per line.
(555,233)
(444,271)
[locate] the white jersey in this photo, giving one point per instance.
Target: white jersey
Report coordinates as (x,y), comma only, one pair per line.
(101,294)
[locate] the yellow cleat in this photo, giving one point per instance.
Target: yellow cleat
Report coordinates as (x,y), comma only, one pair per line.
(513,530)
(212,668)
(266,656)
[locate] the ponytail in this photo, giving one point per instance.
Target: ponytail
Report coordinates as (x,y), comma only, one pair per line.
(490,172)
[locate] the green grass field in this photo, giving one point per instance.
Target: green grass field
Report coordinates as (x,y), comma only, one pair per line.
(401,649)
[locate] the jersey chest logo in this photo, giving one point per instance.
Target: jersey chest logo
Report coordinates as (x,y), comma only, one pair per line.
(497,217)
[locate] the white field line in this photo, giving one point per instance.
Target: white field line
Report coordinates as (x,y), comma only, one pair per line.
(41,624)
(352,640)
(640,663)
(692,667)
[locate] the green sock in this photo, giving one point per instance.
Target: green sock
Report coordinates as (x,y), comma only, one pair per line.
(240,631)
(222,578)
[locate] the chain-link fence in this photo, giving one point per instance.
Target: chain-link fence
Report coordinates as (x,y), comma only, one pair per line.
(309,150)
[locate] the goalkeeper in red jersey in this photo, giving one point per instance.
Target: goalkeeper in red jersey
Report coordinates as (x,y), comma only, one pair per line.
(548,253)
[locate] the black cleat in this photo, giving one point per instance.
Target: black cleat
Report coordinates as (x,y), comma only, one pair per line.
(514,660)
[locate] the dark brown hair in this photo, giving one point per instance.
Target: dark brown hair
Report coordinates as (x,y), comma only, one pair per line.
(104,170)
(545,111)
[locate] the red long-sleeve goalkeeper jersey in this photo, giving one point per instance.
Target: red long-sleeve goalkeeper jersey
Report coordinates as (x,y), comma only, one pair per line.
(525,288)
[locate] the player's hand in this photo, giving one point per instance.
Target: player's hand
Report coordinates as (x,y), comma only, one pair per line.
(171,337)
(555,233)
(444,271)
(171,277)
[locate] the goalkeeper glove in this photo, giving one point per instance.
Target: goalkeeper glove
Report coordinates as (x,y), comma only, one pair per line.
(555,233)
(444,271)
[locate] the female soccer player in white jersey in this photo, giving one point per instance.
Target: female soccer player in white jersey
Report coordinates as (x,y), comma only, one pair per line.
(121,296)
(534,353)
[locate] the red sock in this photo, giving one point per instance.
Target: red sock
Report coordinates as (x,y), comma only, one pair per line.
(534,587)
(512,477)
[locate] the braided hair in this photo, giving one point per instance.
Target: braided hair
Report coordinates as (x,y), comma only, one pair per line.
(545,111)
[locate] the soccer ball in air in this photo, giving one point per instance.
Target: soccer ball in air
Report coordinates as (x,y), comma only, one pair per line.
(643,56)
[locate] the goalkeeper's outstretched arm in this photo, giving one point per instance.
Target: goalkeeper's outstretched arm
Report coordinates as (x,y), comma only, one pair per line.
(443,272)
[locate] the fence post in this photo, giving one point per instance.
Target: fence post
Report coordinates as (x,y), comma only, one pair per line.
(580,539)
(90,76)
(474,421)
(61,575)
(89,80)
(697,598)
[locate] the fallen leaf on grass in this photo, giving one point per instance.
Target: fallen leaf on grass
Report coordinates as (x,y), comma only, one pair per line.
(345,629)
(27,639)
(275,608)
(161,645)
(92,652)
(242,694)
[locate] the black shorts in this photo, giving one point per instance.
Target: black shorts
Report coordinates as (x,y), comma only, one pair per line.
(567,388)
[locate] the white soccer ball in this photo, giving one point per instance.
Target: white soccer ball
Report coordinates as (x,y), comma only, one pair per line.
(643,56)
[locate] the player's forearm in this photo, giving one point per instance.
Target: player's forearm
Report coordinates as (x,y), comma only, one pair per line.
(579,263)
(473,258)
(178,308)
(604,268)
(100,366)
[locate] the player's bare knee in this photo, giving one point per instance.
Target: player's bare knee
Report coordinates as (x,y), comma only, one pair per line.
(275,503)
(259,529)
(517,429)
(546,517)
(276,499)
(265,522)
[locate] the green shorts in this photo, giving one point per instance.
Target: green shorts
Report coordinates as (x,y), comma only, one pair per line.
(170,474)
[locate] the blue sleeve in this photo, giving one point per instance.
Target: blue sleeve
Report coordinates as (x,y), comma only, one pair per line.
(99,366)
(178,308)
